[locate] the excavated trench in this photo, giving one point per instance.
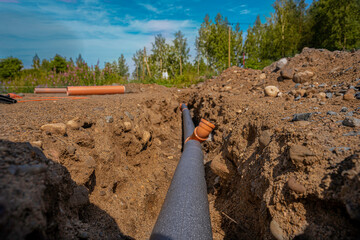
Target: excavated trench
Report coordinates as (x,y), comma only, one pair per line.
(108,178)
(106,173)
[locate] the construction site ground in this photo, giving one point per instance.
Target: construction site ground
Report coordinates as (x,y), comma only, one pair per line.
(282,167)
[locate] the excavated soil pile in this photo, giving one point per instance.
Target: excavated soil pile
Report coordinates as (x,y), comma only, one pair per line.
(283,161)
(286,166)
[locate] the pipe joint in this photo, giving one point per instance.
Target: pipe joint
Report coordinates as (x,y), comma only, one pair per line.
(201,132)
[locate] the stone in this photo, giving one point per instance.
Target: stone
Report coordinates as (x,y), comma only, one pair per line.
(301,116)
(349,114)
(265,138)
(295,186)
(281,63)
(299,154)
(331,113)
(219,167)
(297,85)
(329,95)
(276,230)
(302,77)
(262,76)
(146,137)
(127,126)
(271,91)
(54,128)
(344,109)
(349,95)
(300,92)
(129,115)
(71,150)
(37,144)
(75,123)
(109,119)
(321,95)
(351,122)
(357,95)
(287,73)
(90,162)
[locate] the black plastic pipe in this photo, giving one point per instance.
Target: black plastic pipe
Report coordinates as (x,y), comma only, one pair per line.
(185,212)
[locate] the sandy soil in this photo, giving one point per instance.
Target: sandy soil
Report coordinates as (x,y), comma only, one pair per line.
(271,174)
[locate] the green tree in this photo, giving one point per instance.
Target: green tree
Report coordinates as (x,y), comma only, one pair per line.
(160,53)
(334,24)
(58,64)
(9,67)
(140,68)
(212,43)
(123,69)
(181,50)
(36,62)
(79,61)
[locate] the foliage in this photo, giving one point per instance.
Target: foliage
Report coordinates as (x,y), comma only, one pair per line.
(58,64)
(334,24)
(36,62)
(212,44)
(10,67)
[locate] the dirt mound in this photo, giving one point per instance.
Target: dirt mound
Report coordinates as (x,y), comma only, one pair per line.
(285,166)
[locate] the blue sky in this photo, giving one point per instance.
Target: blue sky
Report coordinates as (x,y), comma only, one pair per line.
(103,30)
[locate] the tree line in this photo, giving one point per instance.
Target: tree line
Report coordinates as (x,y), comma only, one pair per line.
(330,24)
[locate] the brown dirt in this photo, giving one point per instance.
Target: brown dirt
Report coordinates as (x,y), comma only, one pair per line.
(267,176)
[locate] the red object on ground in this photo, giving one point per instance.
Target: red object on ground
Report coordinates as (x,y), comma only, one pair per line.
(13,95)
(95,90)
(201,132)
(50,90)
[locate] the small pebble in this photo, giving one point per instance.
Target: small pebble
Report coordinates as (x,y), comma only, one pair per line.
(271,91)
(351,122)
(297,98)
(349,114)
(109,119)
(295,186)
(322,103)
(331,113)
(301,116)
(344,109)
(329,95)
(276,230)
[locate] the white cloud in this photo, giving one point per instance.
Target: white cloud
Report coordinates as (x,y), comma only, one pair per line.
(245,11)
(149,7)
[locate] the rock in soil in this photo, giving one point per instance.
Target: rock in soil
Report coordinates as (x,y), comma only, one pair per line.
(55,128)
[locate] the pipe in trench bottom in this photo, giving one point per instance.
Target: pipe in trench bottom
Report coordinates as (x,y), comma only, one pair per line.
(185,212)
(94,90)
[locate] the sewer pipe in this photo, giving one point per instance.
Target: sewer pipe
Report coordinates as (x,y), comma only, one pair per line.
(94,90)
(185,212)
(50,90)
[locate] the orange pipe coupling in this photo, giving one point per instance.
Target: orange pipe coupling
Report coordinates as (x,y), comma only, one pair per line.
(201,132)
(94,90)
(50,90)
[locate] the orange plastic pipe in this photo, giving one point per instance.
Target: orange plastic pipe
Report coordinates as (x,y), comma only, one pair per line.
(94,90)
(50,90)
(201,132)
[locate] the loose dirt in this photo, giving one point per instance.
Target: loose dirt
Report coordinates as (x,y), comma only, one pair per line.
(280,167)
